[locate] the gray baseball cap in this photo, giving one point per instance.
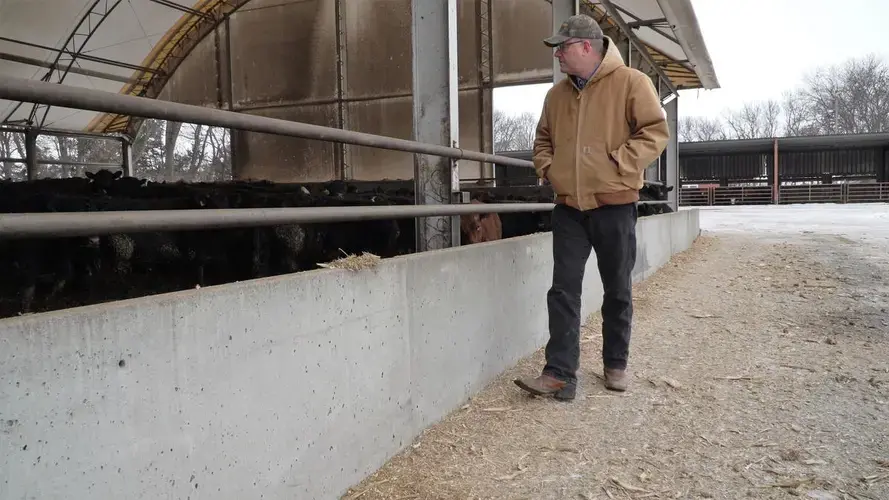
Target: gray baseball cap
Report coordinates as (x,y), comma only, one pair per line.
(577,26)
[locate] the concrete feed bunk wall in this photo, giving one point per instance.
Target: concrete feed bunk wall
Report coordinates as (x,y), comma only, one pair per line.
(295,386)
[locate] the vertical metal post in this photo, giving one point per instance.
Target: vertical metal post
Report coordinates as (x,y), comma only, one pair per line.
(623,45)
(653,171)
(485,93)
(562,10)
(629,53)
(237,138)
(341,153)
(672,109)
(31,153)
(224,90)
(776,181)
(880,156)
(436,119)
(126,156)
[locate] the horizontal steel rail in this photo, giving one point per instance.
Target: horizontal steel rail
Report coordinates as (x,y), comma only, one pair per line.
(47,161)
(26,225)
(78,163)
(80,71)
(21,89)
(69,224)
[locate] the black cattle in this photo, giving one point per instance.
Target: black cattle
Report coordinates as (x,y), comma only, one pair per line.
(114,183)
(48,273)
(37,267)
(654,192)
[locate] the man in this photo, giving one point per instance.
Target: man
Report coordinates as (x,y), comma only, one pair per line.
(599,129)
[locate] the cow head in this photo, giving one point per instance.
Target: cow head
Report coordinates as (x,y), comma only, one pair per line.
(101,180)
(471,227)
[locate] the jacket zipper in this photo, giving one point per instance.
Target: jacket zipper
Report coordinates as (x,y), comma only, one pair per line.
(577,149)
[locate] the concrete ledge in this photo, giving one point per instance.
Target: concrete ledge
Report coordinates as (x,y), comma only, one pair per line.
(296,386)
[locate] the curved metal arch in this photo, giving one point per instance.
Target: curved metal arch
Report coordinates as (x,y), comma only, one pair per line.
(74,45)
(176,44)
(71,52)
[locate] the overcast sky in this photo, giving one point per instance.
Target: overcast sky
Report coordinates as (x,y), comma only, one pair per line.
(761,48)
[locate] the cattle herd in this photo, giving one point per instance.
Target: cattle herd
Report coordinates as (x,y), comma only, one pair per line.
(42,274)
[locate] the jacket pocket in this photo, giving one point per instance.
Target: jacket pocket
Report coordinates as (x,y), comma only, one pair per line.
(561,171)
(599,172)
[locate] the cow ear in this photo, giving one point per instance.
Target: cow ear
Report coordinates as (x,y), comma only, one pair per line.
(670,188)
(89,175)
(118,174)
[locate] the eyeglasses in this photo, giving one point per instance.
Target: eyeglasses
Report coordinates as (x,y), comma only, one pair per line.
(561,47)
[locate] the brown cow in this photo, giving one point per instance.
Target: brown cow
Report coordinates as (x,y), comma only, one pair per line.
(481,227)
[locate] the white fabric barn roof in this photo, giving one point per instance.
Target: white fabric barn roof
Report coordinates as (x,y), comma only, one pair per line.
(141,42)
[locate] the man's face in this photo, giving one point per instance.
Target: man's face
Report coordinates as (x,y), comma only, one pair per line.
(571,54)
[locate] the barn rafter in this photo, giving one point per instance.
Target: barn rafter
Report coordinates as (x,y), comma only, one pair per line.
(97,50)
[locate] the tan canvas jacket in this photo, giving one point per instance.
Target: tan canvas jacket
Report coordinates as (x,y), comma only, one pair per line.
(593,144)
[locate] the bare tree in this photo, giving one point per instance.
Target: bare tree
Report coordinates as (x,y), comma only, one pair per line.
(12,145)
(850,99)
(514,132)
(701,128)
(771,118)
(755,120)
(797,118)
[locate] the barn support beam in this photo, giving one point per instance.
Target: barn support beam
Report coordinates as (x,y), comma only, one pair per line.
(624,46)
(655,171)
(486,87)
(31,153)
(672,109)
(126,156)
(883,164)
(776,179)
(562,10)
(436,116)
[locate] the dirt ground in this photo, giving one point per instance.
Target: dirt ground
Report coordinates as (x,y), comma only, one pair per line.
(759,370)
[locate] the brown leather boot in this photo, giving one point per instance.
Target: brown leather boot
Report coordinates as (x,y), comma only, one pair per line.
(615,379)
(541,386)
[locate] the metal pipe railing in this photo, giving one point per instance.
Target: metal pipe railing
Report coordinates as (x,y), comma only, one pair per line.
(69,224)
(40,92)
(46,161)
(24,225)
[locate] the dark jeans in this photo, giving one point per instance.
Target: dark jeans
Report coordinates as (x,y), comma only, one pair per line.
(611,232)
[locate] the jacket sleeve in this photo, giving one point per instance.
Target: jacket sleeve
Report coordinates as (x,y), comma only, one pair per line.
(649,129)
(543,146)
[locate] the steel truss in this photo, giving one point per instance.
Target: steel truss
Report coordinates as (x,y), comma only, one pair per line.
(74,45)
(182,39)
(612,12)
